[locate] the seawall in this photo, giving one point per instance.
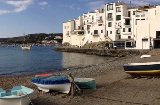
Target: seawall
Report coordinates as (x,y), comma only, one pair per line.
(102,52)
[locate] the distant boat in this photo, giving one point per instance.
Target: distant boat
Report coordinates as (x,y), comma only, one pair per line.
(145,56)
(147,68)
(18,95)
(26,47)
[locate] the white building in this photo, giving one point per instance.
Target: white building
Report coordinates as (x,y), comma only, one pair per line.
(119,23)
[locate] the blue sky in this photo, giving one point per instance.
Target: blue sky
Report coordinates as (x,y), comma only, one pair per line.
(46,16)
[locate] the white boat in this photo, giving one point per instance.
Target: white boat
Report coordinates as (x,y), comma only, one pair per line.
(145,56)
(18,95)
(58,83)
(146,68)
(26,47)
(63,88)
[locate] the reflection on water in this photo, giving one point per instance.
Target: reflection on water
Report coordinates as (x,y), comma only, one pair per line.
(80,60)
(15,61)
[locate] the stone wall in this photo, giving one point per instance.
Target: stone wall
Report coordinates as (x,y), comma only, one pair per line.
(103,52)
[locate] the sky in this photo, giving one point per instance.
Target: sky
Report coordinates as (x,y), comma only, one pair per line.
(22,17)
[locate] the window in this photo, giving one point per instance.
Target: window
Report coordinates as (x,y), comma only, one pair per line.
(109,24)
(133,12)
(129,29)
(88,26)
(117,31)
(110,32)
(95,31)
(118,9)
(109,7)
(64,27)
(123,29)
(109,15)
(118,17)
(107,33)
(88,32)
(127,21)
(101,31)
(129,37)
(129,13)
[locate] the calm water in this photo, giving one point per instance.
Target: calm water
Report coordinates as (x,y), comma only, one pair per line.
(14,61)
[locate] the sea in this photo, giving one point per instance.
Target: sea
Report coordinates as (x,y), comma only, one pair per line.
(15,61)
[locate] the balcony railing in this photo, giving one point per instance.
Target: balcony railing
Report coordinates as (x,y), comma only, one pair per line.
(95,34)
(118,26)
(127,33)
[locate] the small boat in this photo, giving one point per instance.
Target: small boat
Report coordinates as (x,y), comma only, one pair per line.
(18,95)
(145,56)
(85,83)
(58,83)
(147,68)
(26,47)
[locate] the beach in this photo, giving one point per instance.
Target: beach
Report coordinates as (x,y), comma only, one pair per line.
(114,86)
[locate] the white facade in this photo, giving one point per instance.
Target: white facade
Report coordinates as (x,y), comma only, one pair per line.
(122,25)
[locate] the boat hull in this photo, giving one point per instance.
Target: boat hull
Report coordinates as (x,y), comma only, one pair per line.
(15,101)
(64,88)
(150,68)
(85,83)
(18,95)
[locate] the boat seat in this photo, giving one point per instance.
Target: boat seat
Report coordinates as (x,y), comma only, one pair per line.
(2,92)
(14,92)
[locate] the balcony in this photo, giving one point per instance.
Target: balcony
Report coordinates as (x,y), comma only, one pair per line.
(95,34)
(100,21)
(80,33)
(73,32)
(127,25)
(126,17)
(118,26)
(79,29)
(127,33)
(117,33)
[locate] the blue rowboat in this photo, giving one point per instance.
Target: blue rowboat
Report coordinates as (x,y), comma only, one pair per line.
(58,83)
(147,68)
(18,95)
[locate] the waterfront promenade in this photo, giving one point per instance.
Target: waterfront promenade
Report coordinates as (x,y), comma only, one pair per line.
(114,86)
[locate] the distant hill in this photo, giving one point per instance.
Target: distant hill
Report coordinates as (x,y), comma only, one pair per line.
(33,38)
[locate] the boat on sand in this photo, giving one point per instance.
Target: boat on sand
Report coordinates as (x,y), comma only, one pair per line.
(146,68)
(85,83)
(18,95)
(59,83)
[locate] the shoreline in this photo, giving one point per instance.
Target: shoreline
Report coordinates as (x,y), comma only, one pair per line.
(114,86)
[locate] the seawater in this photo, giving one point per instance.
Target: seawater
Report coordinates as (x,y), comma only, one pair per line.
(15,61)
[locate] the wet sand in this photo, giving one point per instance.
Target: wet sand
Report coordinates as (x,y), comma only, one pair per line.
(114,86)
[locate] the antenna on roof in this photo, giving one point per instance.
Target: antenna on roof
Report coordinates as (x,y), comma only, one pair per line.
(130,2)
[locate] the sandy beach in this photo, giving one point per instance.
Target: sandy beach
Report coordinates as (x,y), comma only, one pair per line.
(114,86)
